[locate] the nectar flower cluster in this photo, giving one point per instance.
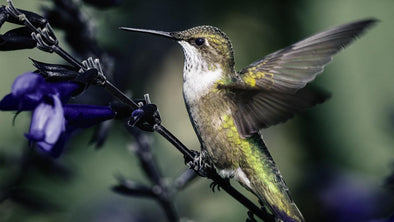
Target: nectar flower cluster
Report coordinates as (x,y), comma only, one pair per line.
(53,120)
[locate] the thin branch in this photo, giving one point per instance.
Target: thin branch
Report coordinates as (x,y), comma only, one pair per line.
(187,153)
(149,165)
(183,180)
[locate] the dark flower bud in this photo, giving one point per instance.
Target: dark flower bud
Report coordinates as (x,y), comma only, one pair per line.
(88,77)
(55,72)
(3,16)
(34,18)
(150,113)
(145,117)
(19,38)
(103,3)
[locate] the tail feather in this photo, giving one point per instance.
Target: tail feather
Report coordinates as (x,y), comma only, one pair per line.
(263,178)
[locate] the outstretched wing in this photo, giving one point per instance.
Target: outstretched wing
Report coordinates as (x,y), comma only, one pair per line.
(271,86)
(257,109)
(291,68)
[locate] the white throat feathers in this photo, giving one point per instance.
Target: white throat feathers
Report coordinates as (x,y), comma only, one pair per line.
(198,77)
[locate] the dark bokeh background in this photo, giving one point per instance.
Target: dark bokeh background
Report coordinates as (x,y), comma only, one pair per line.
(334,157)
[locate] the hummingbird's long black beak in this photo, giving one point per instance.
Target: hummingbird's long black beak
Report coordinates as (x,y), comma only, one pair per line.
(169,35)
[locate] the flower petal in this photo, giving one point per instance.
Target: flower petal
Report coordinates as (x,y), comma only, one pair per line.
(83,116)
(10,102)
(30,89)
(47,124)
(26,84)
(65,89)
(39,121)
(58,148)
(45,146)
(56,122)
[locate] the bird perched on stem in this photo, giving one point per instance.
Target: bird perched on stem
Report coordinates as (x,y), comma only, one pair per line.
(228,108)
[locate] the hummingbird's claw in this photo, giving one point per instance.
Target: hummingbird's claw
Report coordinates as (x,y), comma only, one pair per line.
(199,164)
(214,185)
(195,164)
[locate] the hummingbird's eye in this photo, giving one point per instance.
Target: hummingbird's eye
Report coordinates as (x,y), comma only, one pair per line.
(199,41)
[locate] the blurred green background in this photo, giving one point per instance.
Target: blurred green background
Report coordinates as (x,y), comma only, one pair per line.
(341,149)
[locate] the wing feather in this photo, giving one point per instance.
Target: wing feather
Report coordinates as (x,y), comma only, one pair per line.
(291,68)
(271,90)
(260,109)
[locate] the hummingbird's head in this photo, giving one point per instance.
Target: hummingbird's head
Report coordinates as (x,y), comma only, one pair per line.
(205,46)
(206,43)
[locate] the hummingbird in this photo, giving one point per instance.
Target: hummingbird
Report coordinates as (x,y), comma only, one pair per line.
(228,108)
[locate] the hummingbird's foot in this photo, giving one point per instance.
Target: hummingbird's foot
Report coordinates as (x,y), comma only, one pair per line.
(214,185)
(200,163)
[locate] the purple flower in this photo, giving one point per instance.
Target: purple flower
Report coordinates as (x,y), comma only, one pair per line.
(30,89)
(53,120)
